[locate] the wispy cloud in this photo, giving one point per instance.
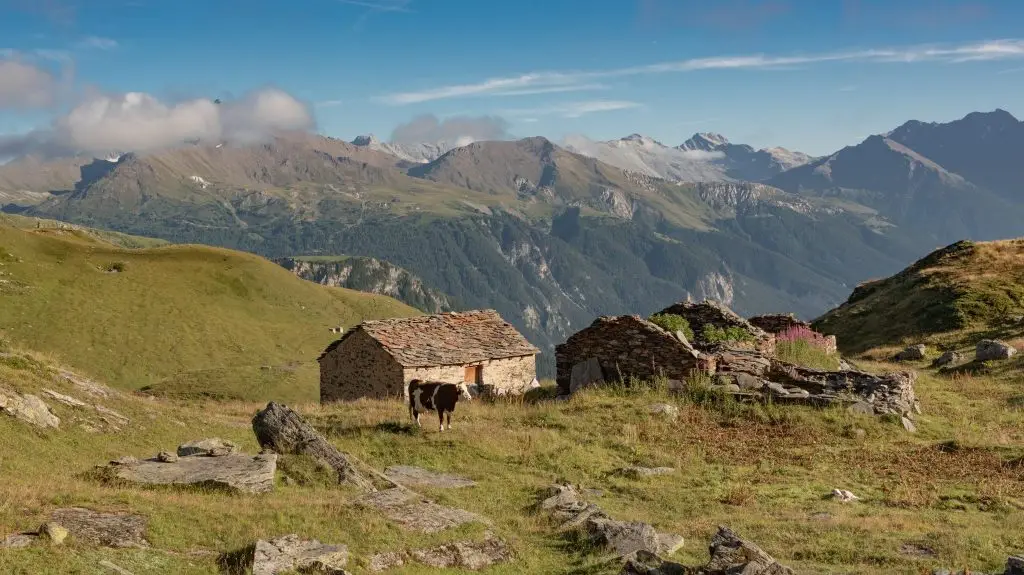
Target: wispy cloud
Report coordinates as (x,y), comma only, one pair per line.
(98,43)
(380,5)
(574,109)
(566,81)
(328,103)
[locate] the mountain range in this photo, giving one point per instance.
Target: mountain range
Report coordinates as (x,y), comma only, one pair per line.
(552,236)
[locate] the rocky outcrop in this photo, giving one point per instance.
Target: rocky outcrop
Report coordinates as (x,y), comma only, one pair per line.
(712,314)
(235,471)
(567,504)
(624,347)
(471,555)
(416,513)
(119,530)
(280,429)
(730,555)
(27,408)
(993,350)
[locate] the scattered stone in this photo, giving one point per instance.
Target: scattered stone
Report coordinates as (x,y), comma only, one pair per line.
(65,399)
(472,555)
(908,424)
(27,408)
(664,409)
(212,447)
(637,472)
(291,553)
(647,563)
(167,457)
(844,495)
(241,472)
(993,349)
(748,382)
(409,475)
(948,358)
(17,541)
(384,561)
(279,428)
(913,353)
(85,384)
(119,530)
(730,554)
(54,532)
(777,388)
(917,550)
(114,567)
(415,513)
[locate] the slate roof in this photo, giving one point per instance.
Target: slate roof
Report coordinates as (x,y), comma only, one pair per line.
(453,338)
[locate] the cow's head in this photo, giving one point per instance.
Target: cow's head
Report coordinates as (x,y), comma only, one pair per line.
(464,391)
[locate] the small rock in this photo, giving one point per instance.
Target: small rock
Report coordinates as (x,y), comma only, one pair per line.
(384,561)
(646,563)
(727,388)
(912,353)
(948,358)
(992,349)
(844,495)
(291,553)
(166,457)
(745,381)
(17,541)
(798,392)
(637,472)
(622,537)
(908,424)
(664,409)
(777,388)
(54,532)
(212,447)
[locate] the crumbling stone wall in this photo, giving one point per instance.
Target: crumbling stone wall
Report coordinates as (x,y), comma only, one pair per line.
(777,323)
(712,313)
(627,346)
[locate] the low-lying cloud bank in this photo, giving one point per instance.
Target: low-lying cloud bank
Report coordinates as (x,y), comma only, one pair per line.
(139,122)
(460,130)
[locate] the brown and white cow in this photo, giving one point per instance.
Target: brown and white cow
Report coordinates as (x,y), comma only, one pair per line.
(436,396)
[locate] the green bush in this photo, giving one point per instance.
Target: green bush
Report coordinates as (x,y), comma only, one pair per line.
(672,323)
(713,334)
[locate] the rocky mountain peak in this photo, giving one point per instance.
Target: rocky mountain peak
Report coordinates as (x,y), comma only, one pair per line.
(366,140)
(639,139)
(705,141)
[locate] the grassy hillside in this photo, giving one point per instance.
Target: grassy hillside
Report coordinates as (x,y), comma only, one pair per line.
(949,496)
(953,296)
(136,317)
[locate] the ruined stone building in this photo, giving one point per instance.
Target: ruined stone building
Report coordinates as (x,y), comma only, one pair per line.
(378,359)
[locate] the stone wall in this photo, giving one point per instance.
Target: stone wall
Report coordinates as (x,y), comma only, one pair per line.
(627,346)
(713,313)
(508,376)
(778,323)
(359,367)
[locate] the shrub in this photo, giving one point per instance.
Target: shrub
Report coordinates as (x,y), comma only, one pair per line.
(802,333)
(713,334)
(803,346)
(672,323)
(116,267)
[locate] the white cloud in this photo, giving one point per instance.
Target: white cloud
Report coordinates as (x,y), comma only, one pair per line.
(99,43)
(24,86)
(139,122)
(574,109)
(569,81)
(466,129)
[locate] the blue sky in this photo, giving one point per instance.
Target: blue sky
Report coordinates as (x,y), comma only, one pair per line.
(812,75)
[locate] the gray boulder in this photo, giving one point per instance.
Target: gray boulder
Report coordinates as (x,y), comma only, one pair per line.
(471,555)
(119,530)
(912,353)
(993,349)
(948,358)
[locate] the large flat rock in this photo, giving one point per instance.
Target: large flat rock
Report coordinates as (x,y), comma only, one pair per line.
(240,472)
(27,408)
(412,512)
(415,476)
(105,529)
(289,553)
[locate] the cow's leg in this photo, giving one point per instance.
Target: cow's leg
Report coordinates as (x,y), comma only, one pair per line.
(449,417)
(416,416)
(440,415)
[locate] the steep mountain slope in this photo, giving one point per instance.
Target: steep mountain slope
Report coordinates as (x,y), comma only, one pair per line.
(705,157)
(908,189)
(134,317)
(964,287)
(984,148)
(369,275)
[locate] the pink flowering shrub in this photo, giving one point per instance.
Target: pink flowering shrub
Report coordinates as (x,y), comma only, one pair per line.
(801,333)
(802,346)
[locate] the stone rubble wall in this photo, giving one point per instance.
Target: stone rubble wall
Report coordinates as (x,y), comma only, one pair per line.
(713,313)
(778,323)
(627,346)
(358,367)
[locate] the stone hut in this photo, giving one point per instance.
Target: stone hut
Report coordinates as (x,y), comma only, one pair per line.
(712,313)
(377,359)
(624,346)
